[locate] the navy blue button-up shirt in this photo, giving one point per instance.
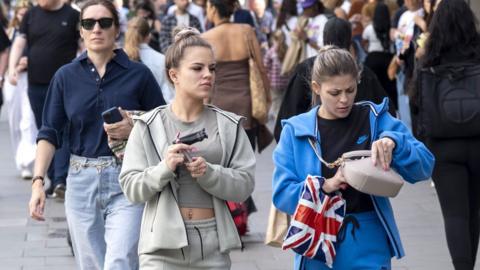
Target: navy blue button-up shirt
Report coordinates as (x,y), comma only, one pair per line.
(78,96)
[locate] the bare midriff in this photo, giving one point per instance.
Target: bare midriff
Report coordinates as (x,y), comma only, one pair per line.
(197,213)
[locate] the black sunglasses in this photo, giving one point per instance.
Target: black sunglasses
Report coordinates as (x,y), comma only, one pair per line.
(89,24)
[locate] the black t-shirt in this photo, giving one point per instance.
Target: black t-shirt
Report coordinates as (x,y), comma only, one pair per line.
(52,40)
(4,40)
(343,135)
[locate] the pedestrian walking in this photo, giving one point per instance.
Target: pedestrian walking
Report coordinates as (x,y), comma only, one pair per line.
(146,10)
(234,44)
(49,33)
(454,41)
(298,97)
(187,224)
(103,225)
(404,35)
(136,46)
(327,131)
(273,64)
(311,33)
(231,42)
(180,18)
(377,36)
(286,19)
(21,121)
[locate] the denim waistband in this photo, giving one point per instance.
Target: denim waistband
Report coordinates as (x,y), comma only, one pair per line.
(103,161)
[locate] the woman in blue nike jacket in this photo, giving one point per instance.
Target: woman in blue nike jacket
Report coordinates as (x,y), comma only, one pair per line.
(338,126)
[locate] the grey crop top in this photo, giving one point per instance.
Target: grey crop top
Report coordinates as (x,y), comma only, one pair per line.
(190,193)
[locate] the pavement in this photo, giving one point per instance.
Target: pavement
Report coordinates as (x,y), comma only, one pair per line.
(27,245)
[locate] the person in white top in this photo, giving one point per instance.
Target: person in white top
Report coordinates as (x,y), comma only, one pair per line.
(369,35)
(376,34)
(137,49)
(406,24)
(313,31)
(23,130)
(286,19)
(195,9)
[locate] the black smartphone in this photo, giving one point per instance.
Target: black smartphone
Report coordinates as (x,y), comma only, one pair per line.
(112,115)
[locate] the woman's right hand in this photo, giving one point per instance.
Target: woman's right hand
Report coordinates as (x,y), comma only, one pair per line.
(174,156)
(335,183)
(37,201)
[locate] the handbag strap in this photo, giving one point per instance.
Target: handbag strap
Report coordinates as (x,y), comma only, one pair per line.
(251,54)
(336,163)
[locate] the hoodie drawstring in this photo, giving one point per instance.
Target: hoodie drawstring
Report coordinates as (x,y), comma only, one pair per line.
(201,241)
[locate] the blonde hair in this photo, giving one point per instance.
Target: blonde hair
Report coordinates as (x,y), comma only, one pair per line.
(332,61)
(137,30)
(14,23)
(183,38)
(368,10)
(279,37)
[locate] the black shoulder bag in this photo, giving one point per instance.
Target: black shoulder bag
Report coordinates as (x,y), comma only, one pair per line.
(449,100)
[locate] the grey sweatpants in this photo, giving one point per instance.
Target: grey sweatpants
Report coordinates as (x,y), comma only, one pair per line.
(202,252)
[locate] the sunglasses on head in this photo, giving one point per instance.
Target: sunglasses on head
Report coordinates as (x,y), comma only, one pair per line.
(89,24)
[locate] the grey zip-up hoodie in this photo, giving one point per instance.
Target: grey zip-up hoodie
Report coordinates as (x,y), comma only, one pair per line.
(145,177)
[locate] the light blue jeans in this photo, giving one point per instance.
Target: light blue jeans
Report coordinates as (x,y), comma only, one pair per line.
(403,101)
(104,226)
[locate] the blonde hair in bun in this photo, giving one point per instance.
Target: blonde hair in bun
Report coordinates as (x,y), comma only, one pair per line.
(183,38)
(179,33)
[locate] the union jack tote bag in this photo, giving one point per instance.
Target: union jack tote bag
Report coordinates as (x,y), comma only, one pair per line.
(314,226)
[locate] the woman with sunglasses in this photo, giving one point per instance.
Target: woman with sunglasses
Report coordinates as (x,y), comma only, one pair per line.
(104,226)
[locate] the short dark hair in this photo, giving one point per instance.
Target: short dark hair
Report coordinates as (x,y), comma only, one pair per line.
(338,32)
(107,4)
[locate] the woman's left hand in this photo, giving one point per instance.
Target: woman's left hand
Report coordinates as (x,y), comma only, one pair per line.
(382,150)
(198,167)
(120,130)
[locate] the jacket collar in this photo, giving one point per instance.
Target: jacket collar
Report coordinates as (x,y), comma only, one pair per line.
(148,117)
(305,124)
(120,58)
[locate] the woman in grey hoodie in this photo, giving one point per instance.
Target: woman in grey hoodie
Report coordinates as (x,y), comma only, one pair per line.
(186,223)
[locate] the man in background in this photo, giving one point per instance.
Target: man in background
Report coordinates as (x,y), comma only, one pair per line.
(50,33)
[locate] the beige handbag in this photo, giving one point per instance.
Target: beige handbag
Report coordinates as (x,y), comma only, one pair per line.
(296,52)
(277,227)
(258,91)
(358,169)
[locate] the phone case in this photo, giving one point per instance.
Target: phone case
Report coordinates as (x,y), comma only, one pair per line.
(112,115)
